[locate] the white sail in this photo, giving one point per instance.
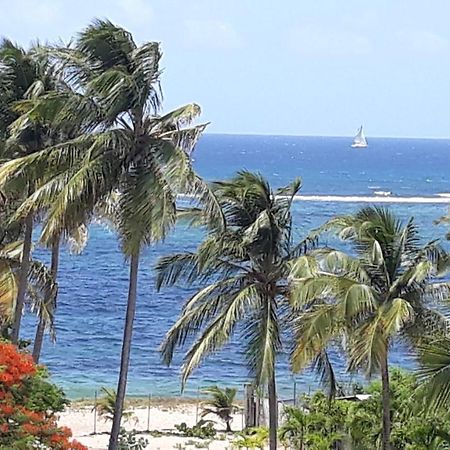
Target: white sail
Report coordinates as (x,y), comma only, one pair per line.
(359,140)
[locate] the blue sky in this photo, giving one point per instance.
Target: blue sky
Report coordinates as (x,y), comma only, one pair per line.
(313,67)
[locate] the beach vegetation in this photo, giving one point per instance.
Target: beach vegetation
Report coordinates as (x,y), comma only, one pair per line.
(252,438)
(129,440)
(384,292)
(106,405)
(355,423)
(203,429)
(221,404)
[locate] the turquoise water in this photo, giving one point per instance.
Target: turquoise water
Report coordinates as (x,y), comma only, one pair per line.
(93,286)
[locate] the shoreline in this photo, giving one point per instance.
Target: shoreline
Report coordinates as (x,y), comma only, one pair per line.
(143,402)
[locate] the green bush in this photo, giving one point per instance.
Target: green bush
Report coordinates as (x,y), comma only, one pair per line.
(128,440)
(43,395)
(322,424)
(252,438)
(204,429)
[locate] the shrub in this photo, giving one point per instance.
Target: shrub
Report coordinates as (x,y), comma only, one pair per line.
(321,423)
(106,406)
(204,429)
(221,403)
(128,440)
(252,438)
(28,403)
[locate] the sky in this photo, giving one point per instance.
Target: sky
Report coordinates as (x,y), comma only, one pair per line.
(311,67)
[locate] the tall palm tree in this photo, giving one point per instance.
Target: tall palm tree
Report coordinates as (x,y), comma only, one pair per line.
(23,75)
(244,269)
(128,157)
(383,291)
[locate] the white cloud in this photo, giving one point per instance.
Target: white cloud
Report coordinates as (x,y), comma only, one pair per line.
(211,33)
(423,41)
(325,41)
(135,11)
(30,11)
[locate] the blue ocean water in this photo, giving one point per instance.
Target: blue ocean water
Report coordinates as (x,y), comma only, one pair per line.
(93,286)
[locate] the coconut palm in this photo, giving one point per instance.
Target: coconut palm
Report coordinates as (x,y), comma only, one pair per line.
(24,75)
(221,403)
(42,111)
(129,161)
(384,291)
(243,269)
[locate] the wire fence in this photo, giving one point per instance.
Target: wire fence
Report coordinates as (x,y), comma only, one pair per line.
(253,413)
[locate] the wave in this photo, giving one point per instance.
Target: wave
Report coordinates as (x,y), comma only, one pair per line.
(438,199)
(370,199)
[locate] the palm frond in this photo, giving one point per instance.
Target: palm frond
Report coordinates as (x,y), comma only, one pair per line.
(435,372)
(219,330)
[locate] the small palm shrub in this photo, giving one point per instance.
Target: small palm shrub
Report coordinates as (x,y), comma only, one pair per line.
(221,404)
(106,405)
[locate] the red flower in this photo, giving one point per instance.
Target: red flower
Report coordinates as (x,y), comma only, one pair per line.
(6,409)
(75,445)
(15,368)
(31,429)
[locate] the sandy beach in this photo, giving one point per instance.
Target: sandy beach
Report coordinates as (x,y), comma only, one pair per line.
(163,418)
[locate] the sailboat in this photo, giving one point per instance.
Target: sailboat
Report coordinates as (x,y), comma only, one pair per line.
(359,140)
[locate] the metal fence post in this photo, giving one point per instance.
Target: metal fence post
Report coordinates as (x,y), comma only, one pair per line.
(196,406)
(295,392)
(148,411)
(95,412)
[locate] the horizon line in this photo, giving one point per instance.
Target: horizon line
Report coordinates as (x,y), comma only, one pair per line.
(325,136)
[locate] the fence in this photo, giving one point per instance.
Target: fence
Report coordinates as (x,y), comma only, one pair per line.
(255,411)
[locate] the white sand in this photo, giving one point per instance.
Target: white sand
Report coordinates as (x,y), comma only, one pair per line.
(81,422)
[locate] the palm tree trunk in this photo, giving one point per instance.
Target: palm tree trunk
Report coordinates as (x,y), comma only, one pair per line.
(273,412)
(126,348)
(23,278)
(386,435)
(41,326)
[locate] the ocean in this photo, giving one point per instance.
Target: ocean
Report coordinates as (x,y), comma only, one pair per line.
(93,285)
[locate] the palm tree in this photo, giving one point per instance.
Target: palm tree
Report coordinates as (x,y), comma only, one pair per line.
(41,110)
(23,75)
(40,286)
(382,292)
(129,160)
(244,267)
(221,403)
